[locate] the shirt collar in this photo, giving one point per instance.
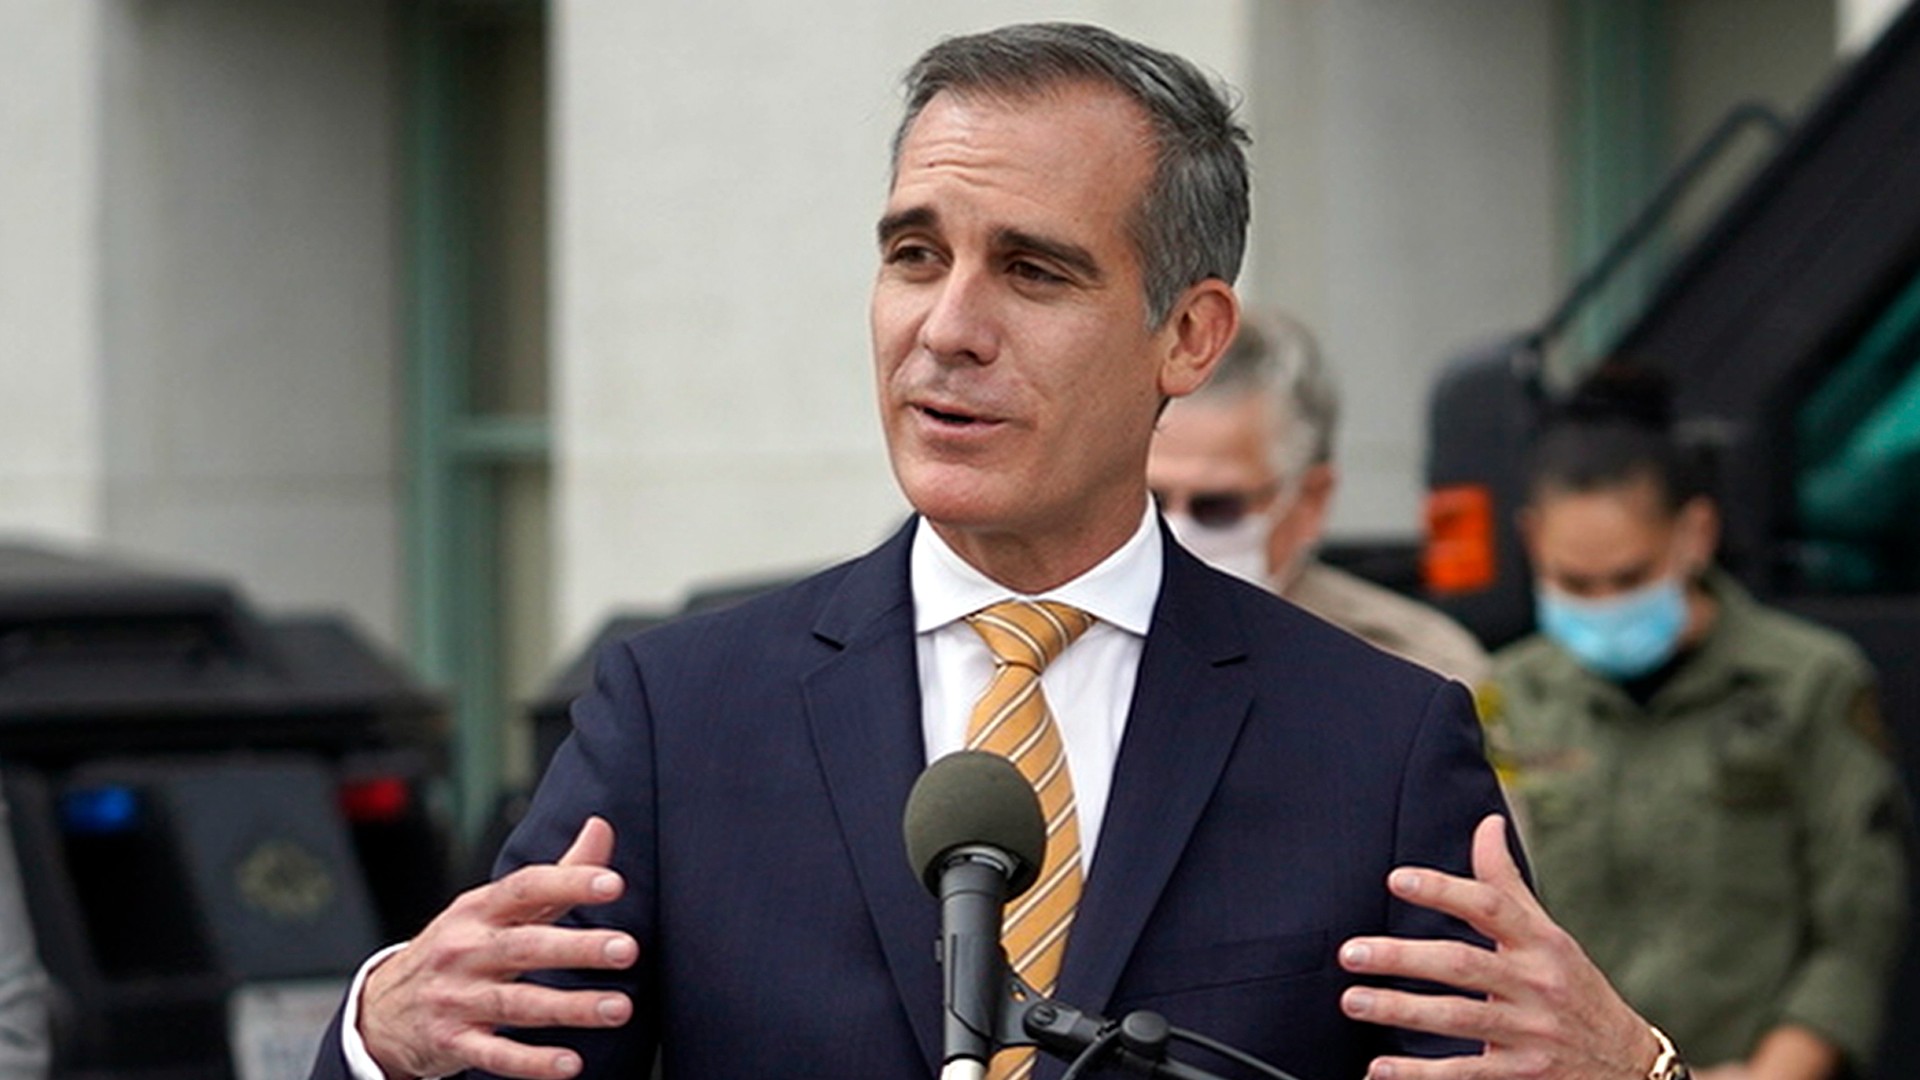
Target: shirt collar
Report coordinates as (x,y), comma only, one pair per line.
(1120,590)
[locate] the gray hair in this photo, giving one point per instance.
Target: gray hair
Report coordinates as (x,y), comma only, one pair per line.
(1276,357)
(1191,224)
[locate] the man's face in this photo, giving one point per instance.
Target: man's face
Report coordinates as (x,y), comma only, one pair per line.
(1209,460)
(1018,379)
(1212,463)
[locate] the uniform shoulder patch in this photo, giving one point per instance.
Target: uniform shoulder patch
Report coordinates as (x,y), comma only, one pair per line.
(1865,720)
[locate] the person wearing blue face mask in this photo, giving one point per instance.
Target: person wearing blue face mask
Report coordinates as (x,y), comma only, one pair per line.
(1706,789)
(1629,615)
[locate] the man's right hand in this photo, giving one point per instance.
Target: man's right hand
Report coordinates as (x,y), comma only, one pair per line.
(431,1008)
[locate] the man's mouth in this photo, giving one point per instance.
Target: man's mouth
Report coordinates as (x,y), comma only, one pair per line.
(946,416)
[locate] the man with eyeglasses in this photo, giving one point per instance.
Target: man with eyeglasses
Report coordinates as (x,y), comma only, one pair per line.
(1243,471)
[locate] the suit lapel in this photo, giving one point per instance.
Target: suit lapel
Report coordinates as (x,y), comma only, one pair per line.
(863,707)
(1189,703)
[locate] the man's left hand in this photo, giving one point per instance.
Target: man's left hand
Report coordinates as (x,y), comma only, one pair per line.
(1548,1010)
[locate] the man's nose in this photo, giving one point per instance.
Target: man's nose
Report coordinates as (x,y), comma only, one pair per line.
(962,326)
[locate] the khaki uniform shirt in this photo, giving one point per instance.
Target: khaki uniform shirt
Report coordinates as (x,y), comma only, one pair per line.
(1404,627)
(1732,854)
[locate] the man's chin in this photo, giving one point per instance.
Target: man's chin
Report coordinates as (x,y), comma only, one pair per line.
(962,512)
(963,496)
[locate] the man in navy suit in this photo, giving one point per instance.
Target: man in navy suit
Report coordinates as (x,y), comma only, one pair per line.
(713,870)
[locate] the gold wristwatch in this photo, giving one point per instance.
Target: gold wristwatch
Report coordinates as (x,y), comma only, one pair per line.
(1668,1066)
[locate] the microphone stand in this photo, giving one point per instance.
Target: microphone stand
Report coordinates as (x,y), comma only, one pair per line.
(1137,1042)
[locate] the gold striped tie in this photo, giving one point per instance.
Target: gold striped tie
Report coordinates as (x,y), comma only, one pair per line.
(1011,719)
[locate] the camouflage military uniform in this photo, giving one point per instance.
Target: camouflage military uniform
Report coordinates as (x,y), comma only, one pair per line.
(1731,854)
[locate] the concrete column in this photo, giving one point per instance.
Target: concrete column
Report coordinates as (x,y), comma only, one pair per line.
(1405,206)
(50,268)
(252,319)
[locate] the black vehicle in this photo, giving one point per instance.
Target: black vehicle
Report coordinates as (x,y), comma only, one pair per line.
(218,816)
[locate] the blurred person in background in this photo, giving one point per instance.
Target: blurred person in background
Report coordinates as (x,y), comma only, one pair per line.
(1244,472)
(1707,791)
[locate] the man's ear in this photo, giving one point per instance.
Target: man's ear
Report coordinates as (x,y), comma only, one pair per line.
(1197,334)
(1527,520)
(1315,498)
(1699,534)
(1298,530)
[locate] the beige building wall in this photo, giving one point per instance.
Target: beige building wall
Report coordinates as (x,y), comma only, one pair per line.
(251,336)
(199,293)
(1407,182)
(50,425)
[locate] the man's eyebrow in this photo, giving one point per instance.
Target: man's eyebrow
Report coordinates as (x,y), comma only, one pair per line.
(913,217)
(1072,256)
(1631,574)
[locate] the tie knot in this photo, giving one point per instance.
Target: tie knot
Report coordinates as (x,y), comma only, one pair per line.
(1029,633)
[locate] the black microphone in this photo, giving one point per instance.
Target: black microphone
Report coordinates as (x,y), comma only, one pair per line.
(975,833)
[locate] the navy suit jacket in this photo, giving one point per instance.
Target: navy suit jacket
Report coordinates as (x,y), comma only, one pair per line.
(755,764)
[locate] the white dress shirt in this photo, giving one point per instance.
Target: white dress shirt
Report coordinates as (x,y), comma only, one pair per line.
(1089,688)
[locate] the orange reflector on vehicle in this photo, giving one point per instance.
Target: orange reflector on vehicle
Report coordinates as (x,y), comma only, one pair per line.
(1460,540)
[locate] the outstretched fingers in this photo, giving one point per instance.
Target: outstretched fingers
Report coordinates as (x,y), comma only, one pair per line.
(543,893)
(504,1057)
(431,1008)
(1458,964)
(1495,901)
(1460,1017)
(527,1005)
(1493,860)
(1543,1008)
(530,948)
(592,846)
(1492,1066)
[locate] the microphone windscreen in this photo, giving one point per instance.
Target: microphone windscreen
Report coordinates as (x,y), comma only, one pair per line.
(975,797)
